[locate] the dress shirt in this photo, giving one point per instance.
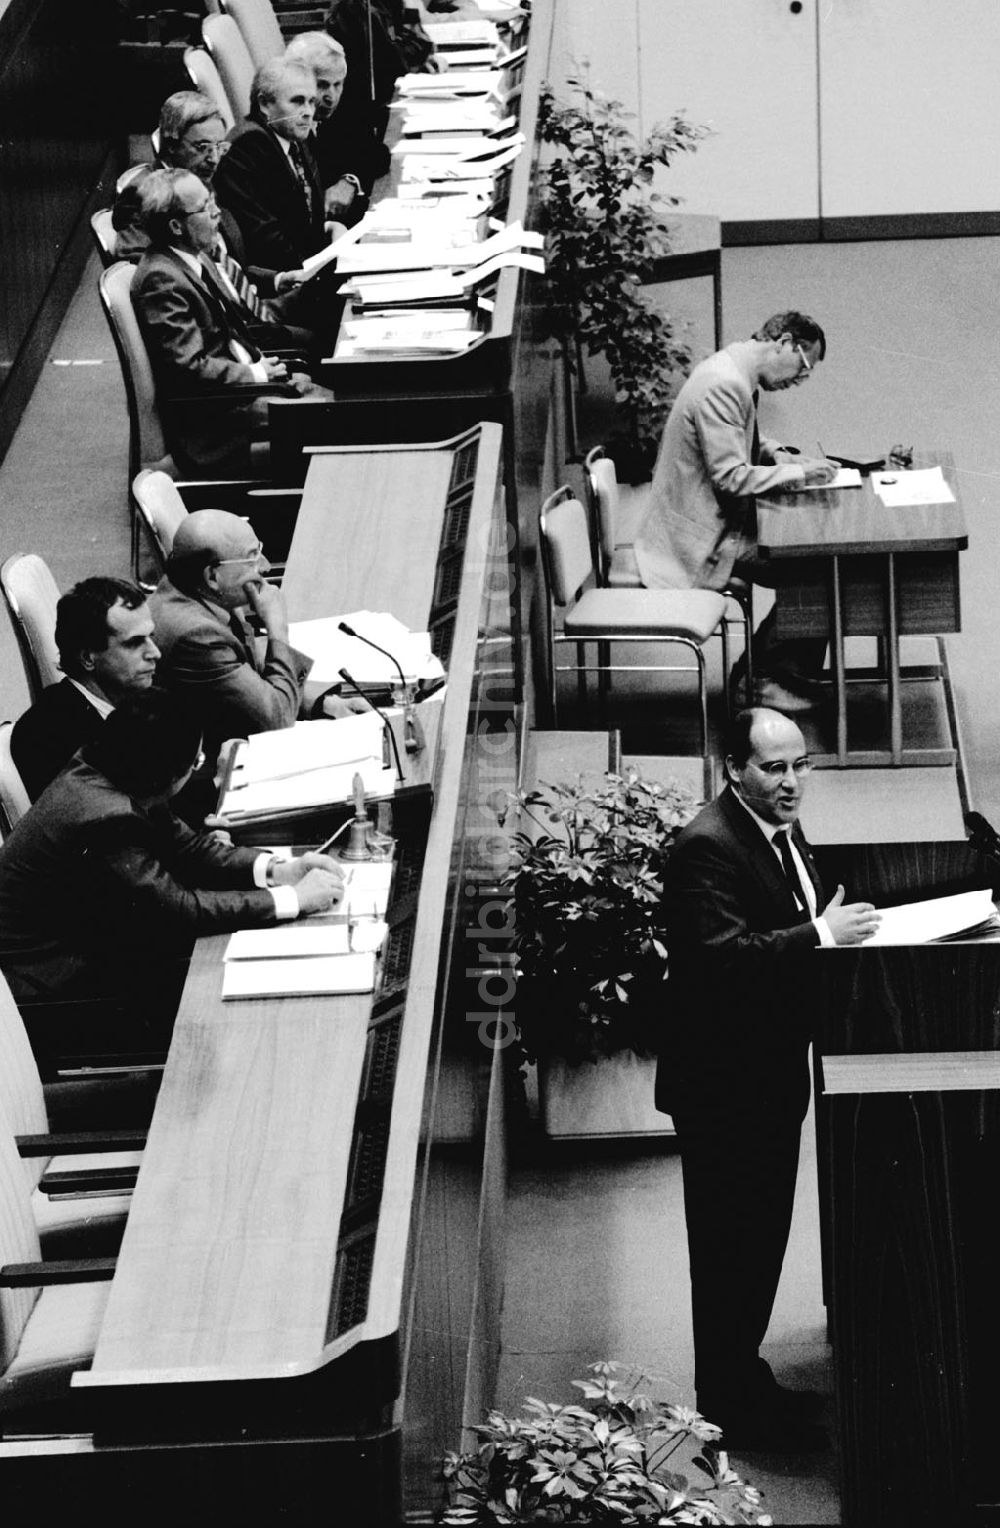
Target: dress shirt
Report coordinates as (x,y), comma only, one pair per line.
(286,902)
(770,831)
(103,707)
(197,266)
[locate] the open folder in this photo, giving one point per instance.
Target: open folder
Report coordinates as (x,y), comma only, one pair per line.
(965,915)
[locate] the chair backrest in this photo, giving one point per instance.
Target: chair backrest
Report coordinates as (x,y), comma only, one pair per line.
(128,176)
(162,509)
(259,28)
(104,236)
(602,492)
(22,1097)
(147,447)
(231,56)
(32,594)
(565,542)
(13,796)
(205,77)
(18,1244)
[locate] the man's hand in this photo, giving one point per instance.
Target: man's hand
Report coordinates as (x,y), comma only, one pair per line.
(817,469)
(268,605)
(852,924)
(319,891)
(340,197)
(286,279)
(276,370)
(344,705)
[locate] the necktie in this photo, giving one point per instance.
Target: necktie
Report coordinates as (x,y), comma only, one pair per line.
(783,840)
(241,630)
(243,286)
(755,443)
(298,165)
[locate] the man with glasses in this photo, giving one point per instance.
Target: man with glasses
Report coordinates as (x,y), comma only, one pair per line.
(745,916)
(213,382)
(699,532)
(214,578)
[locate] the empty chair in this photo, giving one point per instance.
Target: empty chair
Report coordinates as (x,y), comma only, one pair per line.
(32,594)
(48,1329)
(205,76)
(613,536)
(232,58)
(13,796)
(160,508)
(105,237)
(259,28)
(23,1109)
(687,617)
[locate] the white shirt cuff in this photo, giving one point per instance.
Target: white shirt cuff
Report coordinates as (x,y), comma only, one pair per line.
(286,902)
(826,939)
(259,371)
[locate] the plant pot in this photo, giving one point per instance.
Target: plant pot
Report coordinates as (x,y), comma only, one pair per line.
(609,1098)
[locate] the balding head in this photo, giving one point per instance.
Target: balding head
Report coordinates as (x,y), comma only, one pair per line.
(767,764)
(216,555)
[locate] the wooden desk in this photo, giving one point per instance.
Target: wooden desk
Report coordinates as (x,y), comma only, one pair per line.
(863,569)
(259,1293)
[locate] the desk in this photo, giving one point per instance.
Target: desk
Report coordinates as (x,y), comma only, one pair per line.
(862,569)
(261,1290)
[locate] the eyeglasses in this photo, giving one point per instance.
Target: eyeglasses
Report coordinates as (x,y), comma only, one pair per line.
(211,205)
(777,768)
(255,556)
(806,363)
(207,146)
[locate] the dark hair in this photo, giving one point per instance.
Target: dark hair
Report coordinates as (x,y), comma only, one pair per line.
(803,330)
(82,618)
(147,743)
(736,743)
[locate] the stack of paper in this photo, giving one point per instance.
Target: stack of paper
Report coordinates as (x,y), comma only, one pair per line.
(924,486)
(455,84)
(311,976)
(968,914)
(310,765)
(462,34)
(332,650)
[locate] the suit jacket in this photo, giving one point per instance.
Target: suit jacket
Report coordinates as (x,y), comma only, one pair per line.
(217,669)
(49,733)
(132,241)
(744,978)
(259,186)
(700,515)
(93,885)
(188,326)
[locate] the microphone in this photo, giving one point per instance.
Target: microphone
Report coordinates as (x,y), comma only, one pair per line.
(345,674)
(412,735)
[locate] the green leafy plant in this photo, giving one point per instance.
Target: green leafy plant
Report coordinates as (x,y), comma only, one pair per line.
(586,881)
(608,1462)
(604,233)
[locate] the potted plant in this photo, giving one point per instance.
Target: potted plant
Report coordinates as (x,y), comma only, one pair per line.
(590,964)
(606,1462)
(604,232)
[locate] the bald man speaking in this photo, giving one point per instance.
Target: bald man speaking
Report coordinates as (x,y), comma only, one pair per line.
(215,575)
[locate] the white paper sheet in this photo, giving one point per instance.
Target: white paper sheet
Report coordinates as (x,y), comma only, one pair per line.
(298,978)
(936,918)
(926,485)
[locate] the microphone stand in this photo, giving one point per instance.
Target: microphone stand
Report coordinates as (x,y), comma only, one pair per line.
(413,736)
(346,675)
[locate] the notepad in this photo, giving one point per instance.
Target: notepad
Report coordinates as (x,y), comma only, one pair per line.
(316,976)
(845,477)
(927,485)
(289,941)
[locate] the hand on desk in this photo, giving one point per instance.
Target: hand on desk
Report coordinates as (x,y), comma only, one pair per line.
(318,881)
(817,469)
(852,924)
(344,705)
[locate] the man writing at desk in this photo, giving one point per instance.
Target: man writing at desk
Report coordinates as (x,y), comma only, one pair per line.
(745,916)
(699,530)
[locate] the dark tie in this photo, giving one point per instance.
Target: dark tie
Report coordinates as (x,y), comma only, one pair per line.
(241,630)
(783,839)
(244,287)
(755,443)
(298,165)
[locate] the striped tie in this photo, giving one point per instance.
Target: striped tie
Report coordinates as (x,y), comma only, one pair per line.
(298,165)
(244,287)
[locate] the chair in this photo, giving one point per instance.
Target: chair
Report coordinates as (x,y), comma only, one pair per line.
(84,1162)
(13,796)
(613,543)
(232,58)
(160,507)
(104,236)
(258,27)
(50,1314)
(602,615)
(31,594)
(205,77)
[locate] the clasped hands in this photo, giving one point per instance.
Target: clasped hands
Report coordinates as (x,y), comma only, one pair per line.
(318,880)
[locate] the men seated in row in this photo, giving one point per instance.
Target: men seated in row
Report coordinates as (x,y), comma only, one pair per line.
(104,635)
(203,356)
(103,889)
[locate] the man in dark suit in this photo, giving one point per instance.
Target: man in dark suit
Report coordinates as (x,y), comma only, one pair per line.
(745,917)
(212,380)
(348,157)
(103,889)
(104,633)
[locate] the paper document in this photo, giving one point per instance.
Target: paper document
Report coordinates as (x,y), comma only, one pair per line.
(846,477)
(314,263)
(298,978)
(967,912)
(299,793)
(332,650)
(289,941)
(306,746)
(926,485)
(460,34)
